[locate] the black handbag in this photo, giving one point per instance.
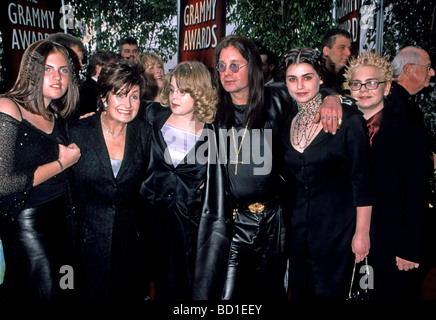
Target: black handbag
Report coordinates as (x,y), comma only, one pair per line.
(357,292)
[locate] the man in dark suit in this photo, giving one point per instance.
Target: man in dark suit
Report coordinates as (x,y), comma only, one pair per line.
(88,89)
(412,71)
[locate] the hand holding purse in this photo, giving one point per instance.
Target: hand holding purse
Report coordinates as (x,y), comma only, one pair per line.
(357,290)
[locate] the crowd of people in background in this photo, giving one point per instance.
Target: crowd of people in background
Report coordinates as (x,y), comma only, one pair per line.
(264,179)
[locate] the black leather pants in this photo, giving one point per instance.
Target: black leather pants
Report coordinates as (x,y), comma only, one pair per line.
(37,244)
(257,263)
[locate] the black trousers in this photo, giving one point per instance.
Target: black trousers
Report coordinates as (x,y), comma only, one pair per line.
(37,244)
(257,264)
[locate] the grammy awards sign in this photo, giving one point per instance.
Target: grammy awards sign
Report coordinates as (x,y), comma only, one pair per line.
(22,23)
(202,23)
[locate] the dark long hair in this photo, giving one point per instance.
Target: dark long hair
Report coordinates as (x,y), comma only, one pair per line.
(28,88)
(255,109)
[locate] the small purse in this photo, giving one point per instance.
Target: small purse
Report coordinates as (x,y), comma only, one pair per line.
(357,292)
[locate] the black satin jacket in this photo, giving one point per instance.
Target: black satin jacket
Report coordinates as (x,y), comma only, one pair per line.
(174,200)
(197,218)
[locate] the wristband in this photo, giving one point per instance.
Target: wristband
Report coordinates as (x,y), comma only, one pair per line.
(60,164)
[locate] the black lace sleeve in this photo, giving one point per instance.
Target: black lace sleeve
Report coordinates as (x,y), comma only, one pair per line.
(15,182)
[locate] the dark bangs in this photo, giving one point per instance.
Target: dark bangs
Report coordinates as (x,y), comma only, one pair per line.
(120,76)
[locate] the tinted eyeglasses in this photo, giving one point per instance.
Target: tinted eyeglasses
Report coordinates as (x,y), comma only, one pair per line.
(173,91)
(221,67)
(370,85)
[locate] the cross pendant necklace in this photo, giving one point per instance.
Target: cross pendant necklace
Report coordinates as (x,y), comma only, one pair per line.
(238,150)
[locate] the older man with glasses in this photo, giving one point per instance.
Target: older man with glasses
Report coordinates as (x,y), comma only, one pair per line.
(412,72)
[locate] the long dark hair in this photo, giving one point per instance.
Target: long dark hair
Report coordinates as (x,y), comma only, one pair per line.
(28,88)
(254,110)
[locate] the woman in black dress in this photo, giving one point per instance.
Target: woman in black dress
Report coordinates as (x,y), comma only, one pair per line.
(35,198)
(332,209)
(177,174)
(107,179)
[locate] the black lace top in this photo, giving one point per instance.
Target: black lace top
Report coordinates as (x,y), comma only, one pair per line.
(23,148)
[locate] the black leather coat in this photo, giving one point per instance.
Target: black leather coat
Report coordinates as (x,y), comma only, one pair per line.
(174,196)
(215,230)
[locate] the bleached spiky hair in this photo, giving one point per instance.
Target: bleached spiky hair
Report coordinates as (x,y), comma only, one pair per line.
(371,59)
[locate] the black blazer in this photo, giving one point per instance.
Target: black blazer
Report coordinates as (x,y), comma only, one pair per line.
(399,160)
(110,211)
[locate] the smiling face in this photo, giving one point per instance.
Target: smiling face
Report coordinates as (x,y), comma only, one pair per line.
(369,101)
(129,51)
(302,81)
(122,107)
(56,77)
(156,70)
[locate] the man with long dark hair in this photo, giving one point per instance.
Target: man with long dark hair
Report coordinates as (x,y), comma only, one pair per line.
(249,119)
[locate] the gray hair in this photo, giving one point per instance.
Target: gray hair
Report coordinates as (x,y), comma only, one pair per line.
(404,56)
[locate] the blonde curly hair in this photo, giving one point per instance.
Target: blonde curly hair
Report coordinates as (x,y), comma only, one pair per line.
(194,78)
(370,59)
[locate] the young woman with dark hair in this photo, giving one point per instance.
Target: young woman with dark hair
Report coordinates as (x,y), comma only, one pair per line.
(331,211)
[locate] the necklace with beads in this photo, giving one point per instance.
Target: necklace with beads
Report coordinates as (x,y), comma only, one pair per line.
(304,128)
(115,135)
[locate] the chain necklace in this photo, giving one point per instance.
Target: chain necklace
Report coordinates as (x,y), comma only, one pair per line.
(115,135)
(304,128)
(238,150)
